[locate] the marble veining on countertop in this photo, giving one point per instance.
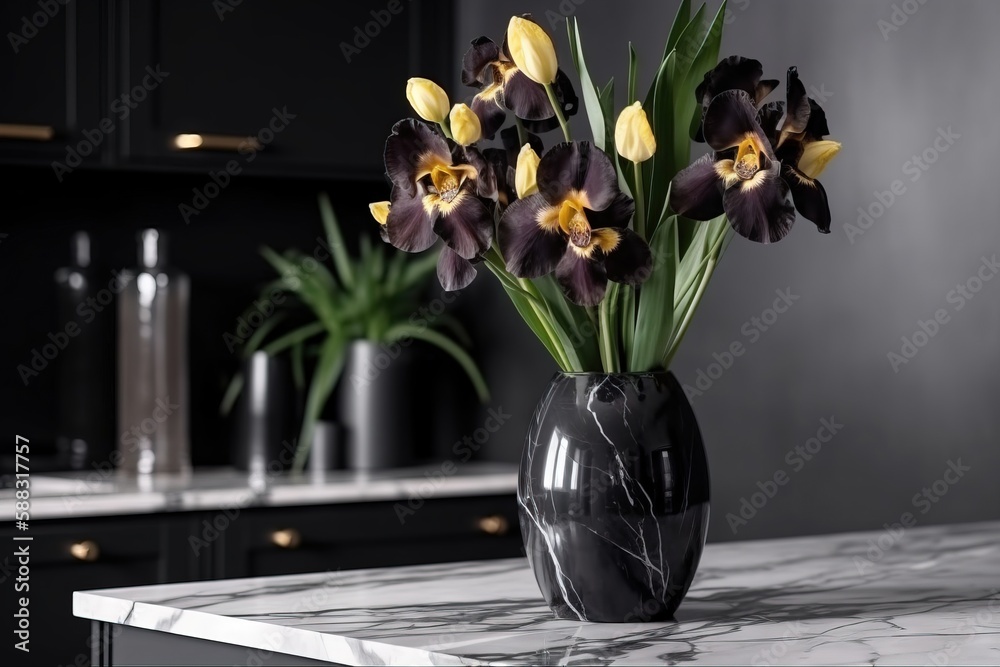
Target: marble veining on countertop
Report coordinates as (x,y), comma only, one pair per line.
(930,595)
(94,493)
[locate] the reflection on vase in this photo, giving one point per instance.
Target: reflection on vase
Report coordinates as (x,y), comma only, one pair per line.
(614,496)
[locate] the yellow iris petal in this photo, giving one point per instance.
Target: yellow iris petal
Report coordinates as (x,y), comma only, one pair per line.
(380,211)
(532,50)
(525,175)
(816,155)
(633,136)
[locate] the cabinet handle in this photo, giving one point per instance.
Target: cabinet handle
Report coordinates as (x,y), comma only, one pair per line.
(287,538)
(494,524)
(214,142)
(85,550)
(27,132)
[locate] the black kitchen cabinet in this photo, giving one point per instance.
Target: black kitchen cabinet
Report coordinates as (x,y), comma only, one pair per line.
(345,537)
(292,87)
(305,88)
(50,74)
(66,555)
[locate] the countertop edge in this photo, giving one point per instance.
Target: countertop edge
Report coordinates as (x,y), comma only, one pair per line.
(255,635)
(54,508)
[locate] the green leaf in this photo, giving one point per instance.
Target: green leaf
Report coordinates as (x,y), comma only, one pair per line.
(258,336)
(663,165)
(654,322)
(233,391)
(338,249)
(418,270)
(406,330)
(591,98)
(633,72)
(579,337)
(328,370)
(305,285)
(681,21)
(609,328)
(530,317)
(627,323)
(296,337)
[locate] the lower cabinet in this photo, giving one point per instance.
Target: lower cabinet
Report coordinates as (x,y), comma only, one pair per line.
(64,556)
(78,554)
(276,541)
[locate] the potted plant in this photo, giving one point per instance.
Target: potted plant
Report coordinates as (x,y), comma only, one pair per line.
(359,330)
(606,247)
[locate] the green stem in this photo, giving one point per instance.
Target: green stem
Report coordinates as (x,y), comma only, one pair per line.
(522,134)
(505,278)
(535,300)
(558,109)
(640,202)
(688,316)
(679,332)
(447,130)
(609,356)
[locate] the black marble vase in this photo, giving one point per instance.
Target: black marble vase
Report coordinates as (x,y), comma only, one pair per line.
(613,496)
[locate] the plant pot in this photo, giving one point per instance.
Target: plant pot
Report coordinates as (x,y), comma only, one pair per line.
(374,406)
(265,415)
(613,496)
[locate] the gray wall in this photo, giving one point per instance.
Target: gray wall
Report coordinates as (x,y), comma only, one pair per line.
(887,96)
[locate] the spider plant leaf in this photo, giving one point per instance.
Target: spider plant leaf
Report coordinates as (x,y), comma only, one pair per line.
(328,370)
(338,249)
(436,338)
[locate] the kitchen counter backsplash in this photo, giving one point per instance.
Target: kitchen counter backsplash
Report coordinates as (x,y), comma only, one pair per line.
(60,496)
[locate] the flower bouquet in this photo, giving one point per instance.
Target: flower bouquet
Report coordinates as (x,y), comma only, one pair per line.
(605,247)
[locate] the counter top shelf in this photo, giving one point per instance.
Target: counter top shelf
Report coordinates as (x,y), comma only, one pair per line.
(926,594)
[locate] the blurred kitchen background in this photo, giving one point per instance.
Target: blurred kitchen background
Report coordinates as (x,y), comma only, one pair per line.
(909,87)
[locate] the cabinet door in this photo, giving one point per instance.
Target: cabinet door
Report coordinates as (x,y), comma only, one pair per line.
(50,82)
(300,87)
(63,558)
(343,537)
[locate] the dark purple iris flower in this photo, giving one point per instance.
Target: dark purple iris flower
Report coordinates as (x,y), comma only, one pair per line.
(438,191)
(576,225)
(755,164)
(503,86)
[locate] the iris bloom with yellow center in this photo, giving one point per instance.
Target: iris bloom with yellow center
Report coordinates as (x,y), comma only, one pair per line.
(755,164)
(438,192)
(576,224)
(803,151)
(503,86)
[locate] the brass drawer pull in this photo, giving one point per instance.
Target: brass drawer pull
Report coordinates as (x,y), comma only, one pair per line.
(286,538)
(27,132)
(494,524)
(85,550)
(214,142)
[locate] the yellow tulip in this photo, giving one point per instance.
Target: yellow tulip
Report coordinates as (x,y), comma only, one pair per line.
(816,155)
(428,99)
(380,211)
(532,50)
(465,126)
(525,175)
(633,136)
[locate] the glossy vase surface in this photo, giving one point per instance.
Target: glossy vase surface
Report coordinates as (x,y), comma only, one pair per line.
(613,496)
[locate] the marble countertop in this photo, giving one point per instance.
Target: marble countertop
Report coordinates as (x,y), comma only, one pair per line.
(923,596)
(61,496)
